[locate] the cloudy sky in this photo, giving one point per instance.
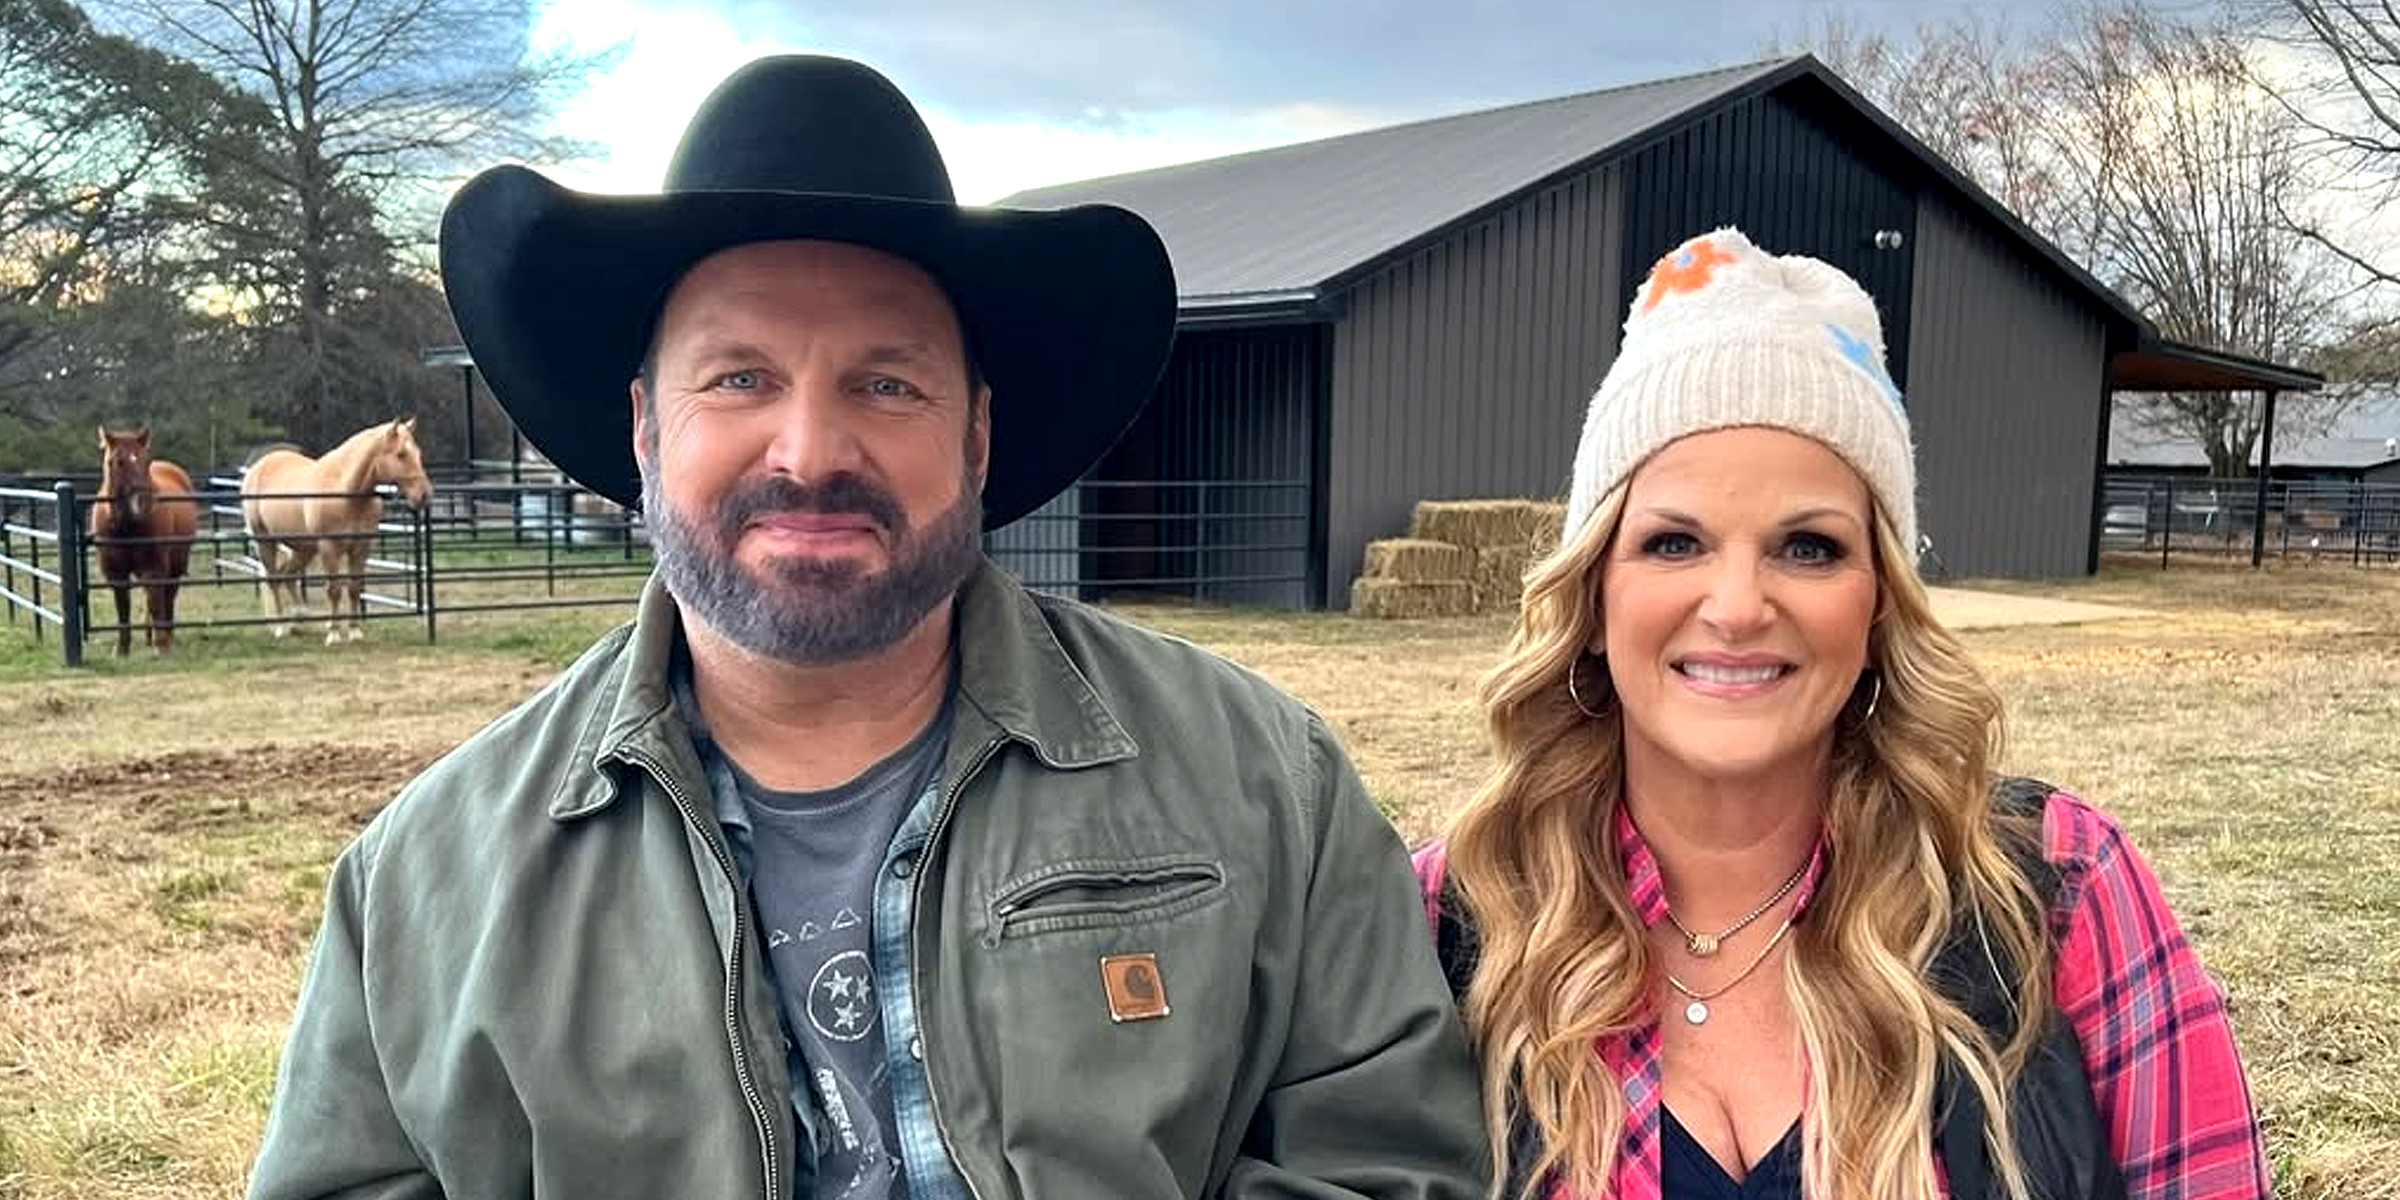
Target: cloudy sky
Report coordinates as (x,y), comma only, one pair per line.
(1029,92)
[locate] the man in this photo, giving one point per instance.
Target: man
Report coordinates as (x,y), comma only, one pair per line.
(851,869)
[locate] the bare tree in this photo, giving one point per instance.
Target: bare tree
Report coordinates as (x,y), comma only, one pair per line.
(2188,167)
(1960,86)
(2138,143)
(2344,88)
(370,102)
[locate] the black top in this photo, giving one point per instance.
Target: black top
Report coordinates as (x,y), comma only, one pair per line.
(1688,1172)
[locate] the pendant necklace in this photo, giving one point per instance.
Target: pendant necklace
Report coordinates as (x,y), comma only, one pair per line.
(1696,1012)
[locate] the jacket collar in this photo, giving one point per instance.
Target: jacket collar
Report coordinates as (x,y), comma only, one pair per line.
(1012,671)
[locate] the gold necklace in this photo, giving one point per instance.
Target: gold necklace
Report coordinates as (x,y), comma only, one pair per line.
(1704,945)
(1697,1011)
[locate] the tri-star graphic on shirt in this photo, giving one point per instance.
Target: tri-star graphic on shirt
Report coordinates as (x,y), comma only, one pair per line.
(841,999)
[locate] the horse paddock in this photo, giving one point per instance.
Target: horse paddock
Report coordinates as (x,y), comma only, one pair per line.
(382,550)
(166,825)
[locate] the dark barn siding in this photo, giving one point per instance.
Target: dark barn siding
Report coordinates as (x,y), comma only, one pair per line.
(1463,369)
(2005,399)
(1773,166)
(1227,434)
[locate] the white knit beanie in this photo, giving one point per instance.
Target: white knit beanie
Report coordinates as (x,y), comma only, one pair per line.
(1724,334)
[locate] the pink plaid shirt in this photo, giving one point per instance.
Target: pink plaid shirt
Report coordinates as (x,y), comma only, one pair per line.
(2156,1043)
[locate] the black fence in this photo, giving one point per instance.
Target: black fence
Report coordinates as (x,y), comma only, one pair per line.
(2170,517)
(473,548)
(1221,541)
(485,543)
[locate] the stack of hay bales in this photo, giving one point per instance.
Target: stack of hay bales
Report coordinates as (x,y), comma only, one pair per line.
(1460,557)
(1414,577)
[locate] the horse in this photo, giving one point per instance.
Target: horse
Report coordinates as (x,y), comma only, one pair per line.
(298,509)
(141,536)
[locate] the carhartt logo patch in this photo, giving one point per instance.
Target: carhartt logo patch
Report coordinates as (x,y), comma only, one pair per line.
(1136,992)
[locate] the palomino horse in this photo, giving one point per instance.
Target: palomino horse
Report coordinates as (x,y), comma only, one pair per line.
(142,537)
(300,509)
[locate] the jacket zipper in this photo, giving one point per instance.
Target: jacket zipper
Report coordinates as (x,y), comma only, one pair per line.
(733,975)
(916,956)
(1170,883)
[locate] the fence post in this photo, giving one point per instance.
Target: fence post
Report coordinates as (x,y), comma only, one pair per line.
(550,520)
(8,556)
(70,576)
(425,581)
(216,534)
(33,555)
(2283,525)
(2358,523)
(2166,527)
(2266,471)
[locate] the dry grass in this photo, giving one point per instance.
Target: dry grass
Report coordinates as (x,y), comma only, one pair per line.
(164,832)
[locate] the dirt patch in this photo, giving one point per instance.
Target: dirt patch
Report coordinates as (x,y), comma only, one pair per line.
(185,789)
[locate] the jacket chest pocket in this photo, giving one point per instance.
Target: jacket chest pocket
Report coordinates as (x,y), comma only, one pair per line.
(1092,893)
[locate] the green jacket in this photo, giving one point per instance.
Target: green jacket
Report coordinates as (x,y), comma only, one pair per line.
(536,974)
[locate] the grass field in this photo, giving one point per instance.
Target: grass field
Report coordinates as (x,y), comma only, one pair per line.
(165,830)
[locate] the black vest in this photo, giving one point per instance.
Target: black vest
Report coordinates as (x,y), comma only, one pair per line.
(2058,1133)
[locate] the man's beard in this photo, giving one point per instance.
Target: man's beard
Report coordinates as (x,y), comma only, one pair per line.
(812,612)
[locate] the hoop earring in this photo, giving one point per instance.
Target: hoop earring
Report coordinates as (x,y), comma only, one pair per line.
(1873,698)
(1574,669)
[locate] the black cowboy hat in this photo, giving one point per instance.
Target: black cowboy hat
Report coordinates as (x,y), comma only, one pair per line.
(1068,314)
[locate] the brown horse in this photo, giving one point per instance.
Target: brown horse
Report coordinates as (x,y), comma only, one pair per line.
(141,536)
(300,509)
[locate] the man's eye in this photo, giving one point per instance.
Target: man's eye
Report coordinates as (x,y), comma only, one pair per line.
(890,388)
(740,381)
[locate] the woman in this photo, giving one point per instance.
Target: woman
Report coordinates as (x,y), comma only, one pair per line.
(1743,841)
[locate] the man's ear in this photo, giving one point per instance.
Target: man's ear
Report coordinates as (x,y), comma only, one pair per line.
(641,423)
(979,425)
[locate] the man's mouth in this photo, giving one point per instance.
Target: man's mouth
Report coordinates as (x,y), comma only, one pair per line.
(817,523)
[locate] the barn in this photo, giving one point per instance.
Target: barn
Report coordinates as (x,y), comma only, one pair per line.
(1422,311)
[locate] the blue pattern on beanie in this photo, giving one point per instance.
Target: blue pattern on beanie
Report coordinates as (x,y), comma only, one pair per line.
(1856,349)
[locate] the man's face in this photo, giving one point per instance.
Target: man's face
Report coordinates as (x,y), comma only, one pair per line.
(813,455)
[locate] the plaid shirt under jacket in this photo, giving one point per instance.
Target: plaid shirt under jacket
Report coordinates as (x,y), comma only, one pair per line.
(2165,1076)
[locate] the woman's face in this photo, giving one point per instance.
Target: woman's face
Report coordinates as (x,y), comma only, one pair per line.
(1735,602)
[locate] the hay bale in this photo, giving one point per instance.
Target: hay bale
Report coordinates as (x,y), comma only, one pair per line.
(1388,598)
(1547,519)
(1415,560)
(1478,524)
(1498,581)
(1472,524)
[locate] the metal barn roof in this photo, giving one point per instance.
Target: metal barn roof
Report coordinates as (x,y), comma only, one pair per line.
(1282,222)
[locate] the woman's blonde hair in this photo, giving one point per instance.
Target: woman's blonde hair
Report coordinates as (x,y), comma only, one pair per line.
(1914,850)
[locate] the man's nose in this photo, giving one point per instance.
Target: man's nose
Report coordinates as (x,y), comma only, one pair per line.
(815,435)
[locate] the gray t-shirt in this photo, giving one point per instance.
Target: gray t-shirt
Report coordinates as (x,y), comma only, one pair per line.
(816,856)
